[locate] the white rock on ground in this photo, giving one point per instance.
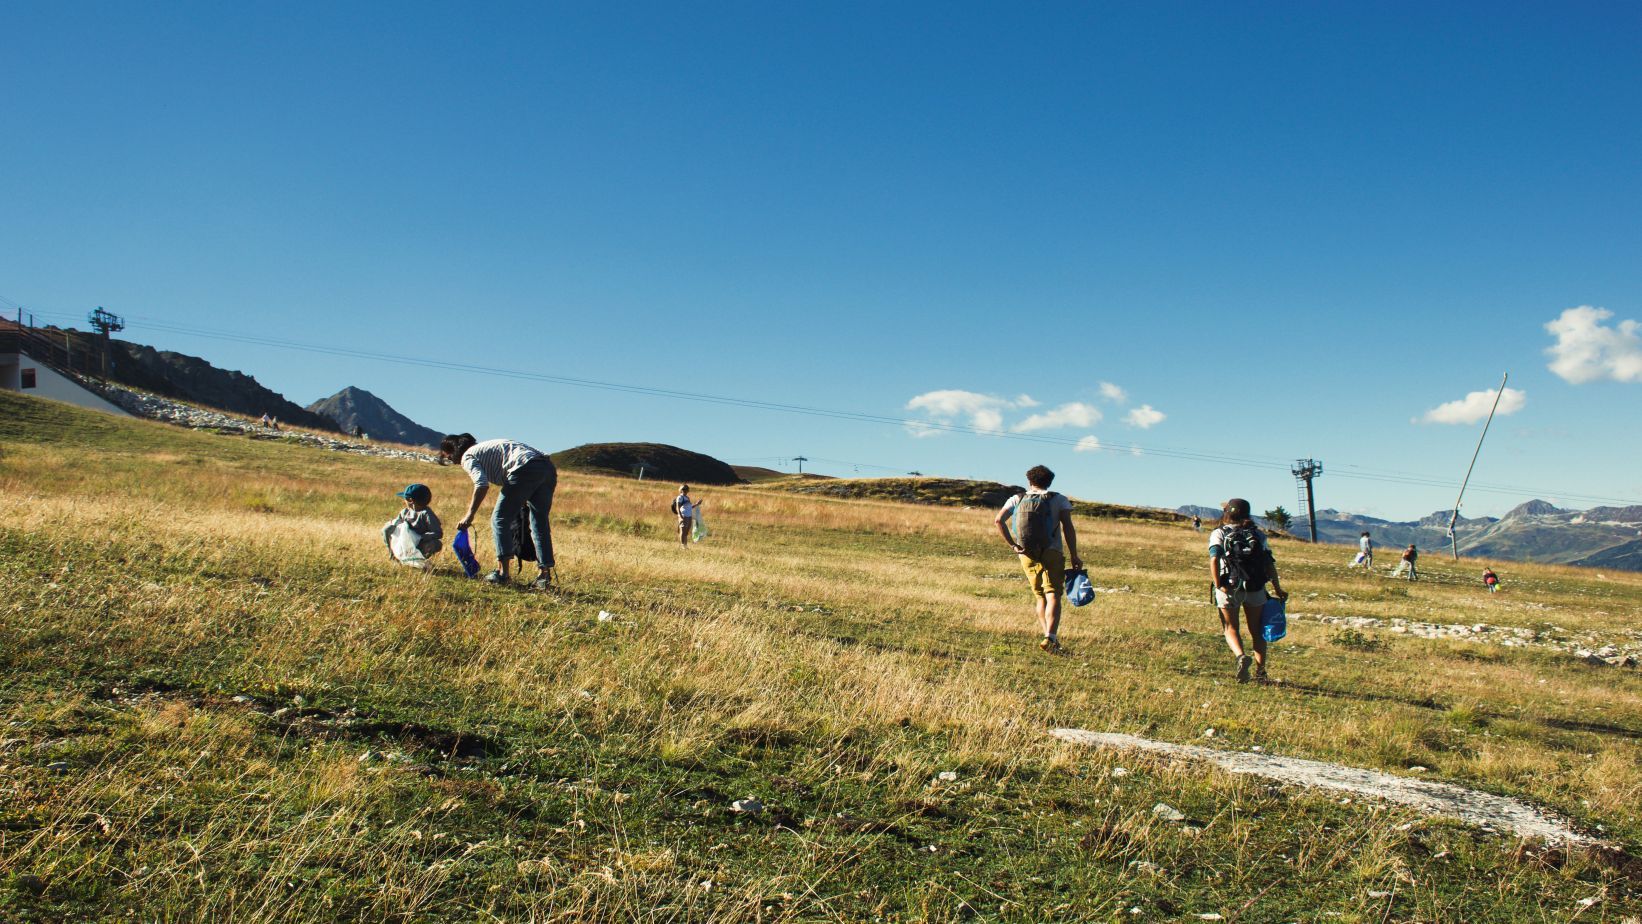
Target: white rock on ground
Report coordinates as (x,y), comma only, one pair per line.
(1433,798)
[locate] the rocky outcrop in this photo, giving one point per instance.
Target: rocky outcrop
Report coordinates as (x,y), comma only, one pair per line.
(356,410)
(158,407)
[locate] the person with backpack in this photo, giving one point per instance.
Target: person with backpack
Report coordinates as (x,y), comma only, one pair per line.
(1490,580)
(527,478)
(1240,565)
(1410,563)
(1032,524)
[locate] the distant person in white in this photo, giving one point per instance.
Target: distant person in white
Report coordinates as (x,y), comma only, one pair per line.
(685,510)
(1365,552)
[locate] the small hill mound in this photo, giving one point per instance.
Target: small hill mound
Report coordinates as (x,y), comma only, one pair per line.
(958,492)
(660,461)
(357,410)
(757,474)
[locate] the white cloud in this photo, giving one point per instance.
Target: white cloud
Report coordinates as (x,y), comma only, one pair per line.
(920,430)
(1145,417)
(1087,444)
(1113,393)
(1075,414)
(983,412)
(1474,407)
(1586,350)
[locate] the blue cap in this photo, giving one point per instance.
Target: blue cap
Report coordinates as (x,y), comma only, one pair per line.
(416,492)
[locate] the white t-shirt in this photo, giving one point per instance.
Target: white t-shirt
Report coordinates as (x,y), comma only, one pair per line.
(685,508)
(1365,544)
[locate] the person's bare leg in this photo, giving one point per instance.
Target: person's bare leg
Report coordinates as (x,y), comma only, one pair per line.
(1251,615)
(684,533)
(1040,605)
(504,565)
(1228,625)
(1051,616)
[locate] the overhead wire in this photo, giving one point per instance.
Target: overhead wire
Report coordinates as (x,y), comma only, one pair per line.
(910,424)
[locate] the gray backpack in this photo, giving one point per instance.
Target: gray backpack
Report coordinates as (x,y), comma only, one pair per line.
(1035,523)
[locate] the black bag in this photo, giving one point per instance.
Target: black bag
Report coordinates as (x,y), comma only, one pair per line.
(1034,524)
(521,533)
(1245,559)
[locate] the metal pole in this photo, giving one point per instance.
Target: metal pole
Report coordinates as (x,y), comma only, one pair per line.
(1454,537)
(1311,508)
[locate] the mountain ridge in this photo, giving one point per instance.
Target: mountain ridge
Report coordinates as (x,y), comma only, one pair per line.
(357,411)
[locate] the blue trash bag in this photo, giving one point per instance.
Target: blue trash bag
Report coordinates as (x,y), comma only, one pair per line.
(464,553)
(1274,621)
(1078,589)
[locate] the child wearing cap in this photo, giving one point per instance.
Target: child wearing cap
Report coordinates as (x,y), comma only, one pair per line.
(419,518)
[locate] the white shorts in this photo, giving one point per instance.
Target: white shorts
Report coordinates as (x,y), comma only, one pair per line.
(1239,598)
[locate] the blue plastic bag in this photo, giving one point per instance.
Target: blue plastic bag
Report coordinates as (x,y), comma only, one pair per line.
(464,553)
(1274,621)
(1078,589)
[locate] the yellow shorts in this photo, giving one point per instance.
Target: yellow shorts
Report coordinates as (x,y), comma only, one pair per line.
(1046,575)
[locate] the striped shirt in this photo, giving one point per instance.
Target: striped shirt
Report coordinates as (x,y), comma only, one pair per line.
(494,460)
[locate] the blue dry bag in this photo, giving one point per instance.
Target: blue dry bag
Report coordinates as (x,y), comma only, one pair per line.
(1274,622)
(464,553)
(1078,589)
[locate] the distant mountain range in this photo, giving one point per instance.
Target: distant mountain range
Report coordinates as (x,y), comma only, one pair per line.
(1539,531)
(356,410)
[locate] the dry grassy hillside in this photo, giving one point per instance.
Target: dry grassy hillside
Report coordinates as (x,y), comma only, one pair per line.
(220,701)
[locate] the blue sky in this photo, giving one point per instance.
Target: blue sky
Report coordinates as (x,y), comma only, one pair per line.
(1287,230)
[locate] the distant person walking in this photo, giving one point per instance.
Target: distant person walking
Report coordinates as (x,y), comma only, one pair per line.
(1032,523)
(1365,552)
(1410,563)
(685,510)
(527,479)
(1490,580)
(1240,565)
(1197,523)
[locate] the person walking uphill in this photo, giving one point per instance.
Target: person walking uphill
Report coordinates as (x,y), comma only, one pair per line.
(1240,564)
(526,478)
(1032,524)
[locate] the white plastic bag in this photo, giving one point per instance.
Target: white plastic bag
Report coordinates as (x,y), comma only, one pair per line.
(404,542)
(698,531)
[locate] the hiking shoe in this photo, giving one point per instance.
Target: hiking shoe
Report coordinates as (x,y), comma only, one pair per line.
(1052,646)
(1244,662)
(496,577)
(1261,678)
(545,582)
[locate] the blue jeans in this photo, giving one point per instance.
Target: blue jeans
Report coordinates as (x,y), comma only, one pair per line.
(530,485)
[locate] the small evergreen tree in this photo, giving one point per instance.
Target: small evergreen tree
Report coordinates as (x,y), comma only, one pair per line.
(1278,517)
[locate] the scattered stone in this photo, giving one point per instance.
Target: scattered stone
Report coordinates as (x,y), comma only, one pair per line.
(1208,733)
(606,616)
(58,766)
(747,806)
(947,776)
(1168,812)
(1119,772)
(1378,894)
(1482,809)
(242,699)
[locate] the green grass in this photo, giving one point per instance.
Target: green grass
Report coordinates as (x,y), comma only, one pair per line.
(219,701)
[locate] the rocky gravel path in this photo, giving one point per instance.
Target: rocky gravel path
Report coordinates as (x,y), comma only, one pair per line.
(1429,797)
(154,407)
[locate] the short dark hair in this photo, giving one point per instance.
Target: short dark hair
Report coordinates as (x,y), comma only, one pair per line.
(1039,476)
(453,446)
